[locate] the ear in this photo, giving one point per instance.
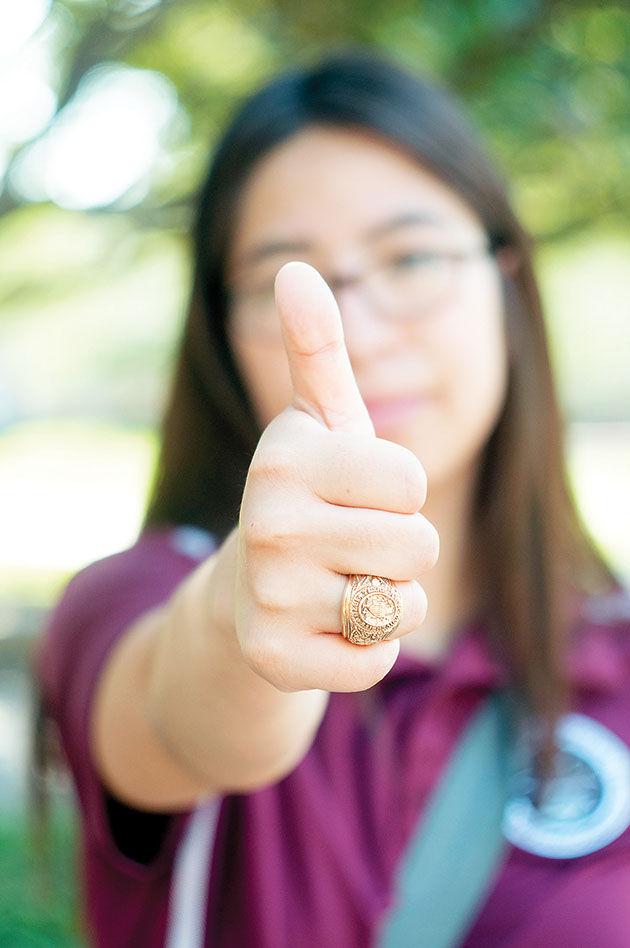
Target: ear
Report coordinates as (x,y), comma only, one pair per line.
(508,260)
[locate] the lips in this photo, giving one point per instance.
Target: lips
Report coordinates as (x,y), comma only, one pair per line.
(391,410)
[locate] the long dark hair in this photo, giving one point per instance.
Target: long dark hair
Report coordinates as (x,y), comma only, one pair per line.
(536,553)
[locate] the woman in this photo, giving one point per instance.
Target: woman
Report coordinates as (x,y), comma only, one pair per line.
(248,773)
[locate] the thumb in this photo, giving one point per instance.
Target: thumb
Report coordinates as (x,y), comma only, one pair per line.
(323,381)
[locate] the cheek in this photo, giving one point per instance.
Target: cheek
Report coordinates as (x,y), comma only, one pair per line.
(478,377)
(473,378)
(265,372)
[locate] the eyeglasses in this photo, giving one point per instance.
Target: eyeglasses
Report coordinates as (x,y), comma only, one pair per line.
(403,288)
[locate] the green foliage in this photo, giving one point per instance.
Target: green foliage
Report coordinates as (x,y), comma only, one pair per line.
(35,913)
(547,83)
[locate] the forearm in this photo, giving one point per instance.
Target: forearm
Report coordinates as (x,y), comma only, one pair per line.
(178,714)
(215,715)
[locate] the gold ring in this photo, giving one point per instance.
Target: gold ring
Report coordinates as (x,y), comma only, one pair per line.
(371,609)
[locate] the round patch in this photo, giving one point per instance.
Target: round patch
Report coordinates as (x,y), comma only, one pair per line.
(587,805)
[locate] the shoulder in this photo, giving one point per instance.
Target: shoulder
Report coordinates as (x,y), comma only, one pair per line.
(600,662)
(605,626)
(155,559)
(93,611)
(102,598)
(612,608)
(604,618)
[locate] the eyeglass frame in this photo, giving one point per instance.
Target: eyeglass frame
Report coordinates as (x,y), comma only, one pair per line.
(488,249)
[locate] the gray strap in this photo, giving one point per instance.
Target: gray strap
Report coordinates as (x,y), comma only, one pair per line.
(458,843)
(448,863)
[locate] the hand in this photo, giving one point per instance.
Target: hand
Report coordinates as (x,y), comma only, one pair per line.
(324,497)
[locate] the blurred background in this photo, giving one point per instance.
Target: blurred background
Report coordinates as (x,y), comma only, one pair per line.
(108,109)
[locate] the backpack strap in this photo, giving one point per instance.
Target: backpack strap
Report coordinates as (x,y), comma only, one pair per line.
(458,845)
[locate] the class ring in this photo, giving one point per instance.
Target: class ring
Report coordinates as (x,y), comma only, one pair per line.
(371,609)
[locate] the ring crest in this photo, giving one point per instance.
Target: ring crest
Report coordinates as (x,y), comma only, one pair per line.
(371,610)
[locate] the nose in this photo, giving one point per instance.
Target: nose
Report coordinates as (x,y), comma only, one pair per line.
(340,284)
(366,332)
(351,287)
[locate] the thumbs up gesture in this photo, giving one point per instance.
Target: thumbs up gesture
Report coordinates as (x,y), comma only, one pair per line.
(324,497)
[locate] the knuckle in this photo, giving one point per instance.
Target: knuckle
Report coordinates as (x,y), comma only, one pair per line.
(256,532)
(276,464)
(419,605)
(383,659)
(253,651)
(345,530)
(426,545)
(275,533)
(269,597)
(263,652)
(413,482)
(434,546)
(365,539)
(366,666)
(363,668)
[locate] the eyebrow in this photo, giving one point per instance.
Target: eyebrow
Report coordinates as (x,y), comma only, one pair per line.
(272,247)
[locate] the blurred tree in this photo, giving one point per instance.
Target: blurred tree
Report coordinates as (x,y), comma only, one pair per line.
(96,186)
(548,83)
